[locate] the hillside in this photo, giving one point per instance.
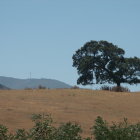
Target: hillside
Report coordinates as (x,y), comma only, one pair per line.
(3,87)
(82,106)
(15,83)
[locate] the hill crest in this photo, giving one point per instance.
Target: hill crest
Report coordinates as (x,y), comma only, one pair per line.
(16,83)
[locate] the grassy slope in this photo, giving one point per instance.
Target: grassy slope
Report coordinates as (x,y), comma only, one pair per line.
(81,106)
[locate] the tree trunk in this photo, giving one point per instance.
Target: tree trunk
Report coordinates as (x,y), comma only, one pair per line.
(118,85)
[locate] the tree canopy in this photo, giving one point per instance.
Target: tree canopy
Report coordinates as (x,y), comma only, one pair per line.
(104,62)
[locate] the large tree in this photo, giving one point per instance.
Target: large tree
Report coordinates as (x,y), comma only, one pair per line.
(104,62)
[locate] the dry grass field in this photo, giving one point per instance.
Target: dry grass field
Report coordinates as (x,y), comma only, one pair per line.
(81,106)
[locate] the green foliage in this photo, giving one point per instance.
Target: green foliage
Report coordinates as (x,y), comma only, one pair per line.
(21,134)
(104,62)
(3,133)
(43,130)
(119,89)
(115,88)
(69,131)
(121,131)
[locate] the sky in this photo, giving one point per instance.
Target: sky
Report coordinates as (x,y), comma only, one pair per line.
(40,36)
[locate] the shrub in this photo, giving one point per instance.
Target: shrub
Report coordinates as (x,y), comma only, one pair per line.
(21,134)
(3,132)
(121,131)
(69,131)
(43,130)
(120,89)
(41,87)
(28,88)
(75,87)
(104,87)
(115,88)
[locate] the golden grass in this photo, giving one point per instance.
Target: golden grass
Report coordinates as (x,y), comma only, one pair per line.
(81,106)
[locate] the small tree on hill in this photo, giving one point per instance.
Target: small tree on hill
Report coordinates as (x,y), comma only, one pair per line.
(104,62)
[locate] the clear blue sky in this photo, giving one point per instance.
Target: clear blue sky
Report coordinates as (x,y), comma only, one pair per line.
(40,36)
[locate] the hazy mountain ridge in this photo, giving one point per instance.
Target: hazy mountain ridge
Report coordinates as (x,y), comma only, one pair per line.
(3,87)
(15,83)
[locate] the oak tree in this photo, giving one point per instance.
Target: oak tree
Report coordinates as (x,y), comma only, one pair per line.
(104,62)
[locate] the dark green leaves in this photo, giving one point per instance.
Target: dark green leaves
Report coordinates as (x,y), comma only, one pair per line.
(103,62)
(44,130)
(116,131)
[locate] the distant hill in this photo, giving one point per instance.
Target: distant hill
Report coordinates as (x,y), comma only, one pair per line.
(14,83)
(3,87)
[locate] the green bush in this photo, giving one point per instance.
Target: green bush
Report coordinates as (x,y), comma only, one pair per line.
(68,131)
(44,130)
(21,134)
(120,89)
(115,88)
(3,133)
(121,131)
